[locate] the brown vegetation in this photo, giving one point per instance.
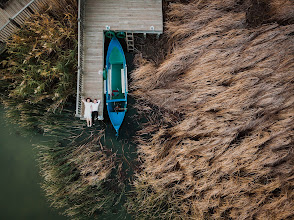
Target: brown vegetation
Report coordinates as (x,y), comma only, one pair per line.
(219,142)
(77,177)
(41,61)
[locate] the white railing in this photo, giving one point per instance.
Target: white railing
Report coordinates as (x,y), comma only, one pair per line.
(81,10)
(15,22)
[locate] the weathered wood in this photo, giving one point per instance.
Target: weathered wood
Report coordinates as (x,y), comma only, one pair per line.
(125,15)
(15,14)
(12,7)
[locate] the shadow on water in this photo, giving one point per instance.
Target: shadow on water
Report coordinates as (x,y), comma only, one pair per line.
(125,149)
(124,145)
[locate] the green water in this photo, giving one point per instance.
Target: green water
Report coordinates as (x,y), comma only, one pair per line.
(21,196)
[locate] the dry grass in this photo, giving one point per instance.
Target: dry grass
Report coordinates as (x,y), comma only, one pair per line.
(219,142)
(40,61)
(93,164)
(67,6)
(78,178)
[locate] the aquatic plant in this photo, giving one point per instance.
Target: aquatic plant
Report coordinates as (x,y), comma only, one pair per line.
(219,141)
(77,178)
(41,62)
(38,72)
(82,178)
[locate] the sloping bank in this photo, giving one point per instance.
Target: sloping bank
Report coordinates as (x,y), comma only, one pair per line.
(219,141)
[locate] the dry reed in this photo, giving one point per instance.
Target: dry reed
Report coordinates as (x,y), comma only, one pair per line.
(220,105)
(41,61)
(78,178)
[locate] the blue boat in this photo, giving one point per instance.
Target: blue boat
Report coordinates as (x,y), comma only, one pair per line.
(116,83)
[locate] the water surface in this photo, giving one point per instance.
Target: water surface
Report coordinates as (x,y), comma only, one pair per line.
(21,194)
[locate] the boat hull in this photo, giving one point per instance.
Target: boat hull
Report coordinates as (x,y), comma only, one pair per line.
(116,84)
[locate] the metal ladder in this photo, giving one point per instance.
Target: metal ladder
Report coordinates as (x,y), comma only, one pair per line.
(130,42)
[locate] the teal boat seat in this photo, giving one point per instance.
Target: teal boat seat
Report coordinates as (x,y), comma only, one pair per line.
(116,57)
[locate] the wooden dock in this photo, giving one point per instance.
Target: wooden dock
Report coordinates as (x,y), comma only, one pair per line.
(11,8)
(95,17)
(13,14)
(131,16)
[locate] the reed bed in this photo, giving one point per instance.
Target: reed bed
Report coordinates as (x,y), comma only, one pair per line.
(41,57)
(38,71)
(219,101)
(82,177)
(78,178)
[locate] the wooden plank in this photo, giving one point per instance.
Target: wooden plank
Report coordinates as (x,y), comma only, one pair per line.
(125,15)
(12,11)
(93,62)
(12,7)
